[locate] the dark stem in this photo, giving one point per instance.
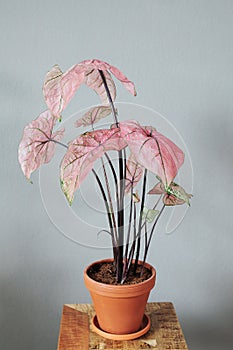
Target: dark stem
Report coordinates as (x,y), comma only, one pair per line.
(154,207)
(110,200)
(151,234)
(108,213)
(109,97)
(140,221)
(120,220)
(145,249)
(125,259)
(121,217)
(132,250)
(115,179)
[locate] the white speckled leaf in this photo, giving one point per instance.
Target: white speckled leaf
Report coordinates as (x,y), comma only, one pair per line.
(36,146)
(153,150)
(59,88)
(81,155)
(93,116)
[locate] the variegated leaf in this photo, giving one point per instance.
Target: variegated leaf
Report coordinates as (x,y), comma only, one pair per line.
(37,145)
(59,88)
(180,195)
(81,155)
(153,150)
(93,116)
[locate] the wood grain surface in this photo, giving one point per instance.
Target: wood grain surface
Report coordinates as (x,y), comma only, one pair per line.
(76,330)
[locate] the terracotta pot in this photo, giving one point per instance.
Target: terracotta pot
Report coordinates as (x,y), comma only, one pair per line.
(119,308)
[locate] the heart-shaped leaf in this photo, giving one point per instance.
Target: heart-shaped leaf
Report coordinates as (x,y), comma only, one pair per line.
(153,150)
(134,173)
(93,116)
(81,155)
(38,143)
(59,88)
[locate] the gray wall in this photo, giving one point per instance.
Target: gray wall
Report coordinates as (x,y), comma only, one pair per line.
(180,56)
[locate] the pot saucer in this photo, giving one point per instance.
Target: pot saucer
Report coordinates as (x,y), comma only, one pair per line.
(145,326)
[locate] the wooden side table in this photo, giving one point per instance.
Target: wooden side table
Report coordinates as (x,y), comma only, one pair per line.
(76,330)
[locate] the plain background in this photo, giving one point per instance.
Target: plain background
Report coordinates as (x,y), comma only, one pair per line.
(180,56)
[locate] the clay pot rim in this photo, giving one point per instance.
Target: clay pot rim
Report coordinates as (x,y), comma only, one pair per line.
(120,289)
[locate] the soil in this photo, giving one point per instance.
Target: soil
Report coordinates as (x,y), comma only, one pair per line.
(106,273)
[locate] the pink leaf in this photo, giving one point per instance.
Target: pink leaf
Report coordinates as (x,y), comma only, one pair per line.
(81,155)
(93,116)
(104,66)
(153,150)
(52,91)
(133,173)
(36,146)
(60,88)
(129,85)
(94,81)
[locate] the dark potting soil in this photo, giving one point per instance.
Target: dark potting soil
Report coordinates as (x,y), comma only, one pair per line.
(106,273)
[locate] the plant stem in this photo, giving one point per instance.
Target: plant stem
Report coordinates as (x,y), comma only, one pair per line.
(59,143)
(115,179)
(140,221)
(109,199)
(125,259)
(151,234)
(120,213)
(121,218)
(111,227)
(154,207)
(145,249)
(109,97)
(132,249)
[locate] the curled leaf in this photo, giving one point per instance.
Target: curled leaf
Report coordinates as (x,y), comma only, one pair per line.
(153,150)
(173,194)
(38,143)
(59,88)
(149,214)
(81,155)
(176,194)
(158,189)
(125,81)
(93,116)
(136,198)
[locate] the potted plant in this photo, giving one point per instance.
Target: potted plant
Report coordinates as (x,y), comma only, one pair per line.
(125,278)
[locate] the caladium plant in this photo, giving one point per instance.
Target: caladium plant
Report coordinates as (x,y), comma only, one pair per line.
(140,149)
